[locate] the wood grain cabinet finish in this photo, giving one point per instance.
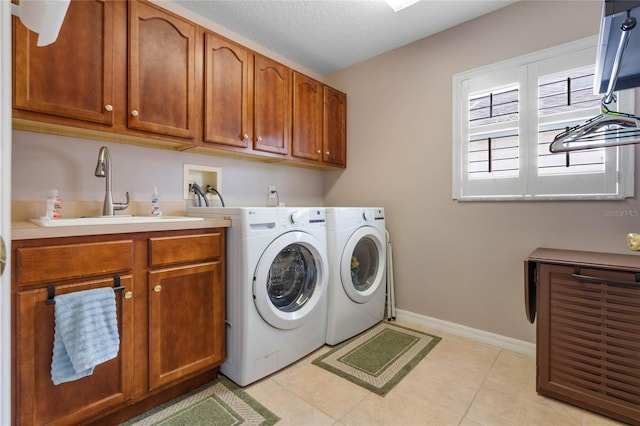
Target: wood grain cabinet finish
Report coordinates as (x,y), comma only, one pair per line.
(186,302)
(334,135)
(162,76)
(307,118)
(170,320)
(272,106)
(67,268)
(228,103)
(73,77)
(147,76)
(588,330)
(37,400)
(319,123)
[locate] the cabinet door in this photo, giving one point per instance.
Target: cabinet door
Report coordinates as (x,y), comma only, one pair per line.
(335,128)
(272,103)
(161,71)
(307,118)
(228,110)
(588,339)
(186,308)
(37,400)
(72,77)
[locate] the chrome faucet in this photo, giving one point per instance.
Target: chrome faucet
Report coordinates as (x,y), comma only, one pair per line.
(103,169)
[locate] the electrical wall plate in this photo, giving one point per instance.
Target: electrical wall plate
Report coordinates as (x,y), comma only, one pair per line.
(203,176)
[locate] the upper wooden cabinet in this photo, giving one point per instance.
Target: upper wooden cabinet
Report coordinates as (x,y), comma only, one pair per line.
(228,107)
(135,72)
(162,77)
(334,134)
(307,118)
(319,122)
(73,77)
(272,103)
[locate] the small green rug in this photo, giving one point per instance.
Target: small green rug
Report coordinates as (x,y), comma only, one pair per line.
(219,403)
(379,358)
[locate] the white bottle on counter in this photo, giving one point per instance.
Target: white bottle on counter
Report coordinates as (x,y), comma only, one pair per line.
(155,203)
(54,205)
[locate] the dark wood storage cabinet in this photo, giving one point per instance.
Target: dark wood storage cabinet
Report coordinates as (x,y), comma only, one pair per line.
(588,329)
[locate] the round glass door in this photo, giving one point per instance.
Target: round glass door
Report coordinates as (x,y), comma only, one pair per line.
(289,280)
(362,266)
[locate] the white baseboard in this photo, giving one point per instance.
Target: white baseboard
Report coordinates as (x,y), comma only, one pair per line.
(502,342)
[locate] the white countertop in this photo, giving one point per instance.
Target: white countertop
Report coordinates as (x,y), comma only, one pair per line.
(28,230)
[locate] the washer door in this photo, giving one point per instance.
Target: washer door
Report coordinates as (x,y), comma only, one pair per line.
(362,264)
(290,280)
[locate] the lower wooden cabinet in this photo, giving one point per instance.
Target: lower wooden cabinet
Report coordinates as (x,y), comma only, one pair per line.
(38,401)
(170,318)
(588,329)
(184,308)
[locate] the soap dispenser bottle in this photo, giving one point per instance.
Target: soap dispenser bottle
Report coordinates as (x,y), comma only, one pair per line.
(155,203)
(54,205)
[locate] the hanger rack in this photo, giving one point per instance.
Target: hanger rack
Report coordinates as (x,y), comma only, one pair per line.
(609,128)
(51,290)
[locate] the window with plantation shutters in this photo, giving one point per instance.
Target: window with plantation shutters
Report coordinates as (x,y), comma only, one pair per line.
(493,139)
(560,95)
(506,115)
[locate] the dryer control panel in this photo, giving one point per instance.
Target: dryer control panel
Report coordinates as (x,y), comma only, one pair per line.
(302,217)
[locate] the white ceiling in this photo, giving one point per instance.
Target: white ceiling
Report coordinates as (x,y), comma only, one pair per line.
(329,35)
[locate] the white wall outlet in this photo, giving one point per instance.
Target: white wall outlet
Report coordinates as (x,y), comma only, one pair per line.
(272,192)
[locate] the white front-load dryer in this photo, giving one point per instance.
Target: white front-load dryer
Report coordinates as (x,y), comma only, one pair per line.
(276,292)
(356,242)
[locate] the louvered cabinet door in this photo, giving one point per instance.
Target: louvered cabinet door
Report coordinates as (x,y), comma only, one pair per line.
(588,339)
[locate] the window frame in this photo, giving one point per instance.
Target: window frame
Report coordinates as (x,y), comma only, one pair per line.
(617,181)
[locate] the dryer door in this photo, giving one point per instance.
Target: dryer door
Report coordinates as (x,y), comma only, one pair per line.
(290,280)
(362,267)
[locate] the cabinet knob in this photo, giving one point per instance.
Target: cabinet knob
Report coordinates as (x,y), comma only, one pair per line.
(327,153)
(318,151)
(259,138)
(108,108)
(128,295)
(157,288)
(245,136)
(135,113)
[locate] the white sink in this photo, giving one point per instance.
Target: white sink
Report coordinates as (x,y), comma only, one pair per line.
(112,220)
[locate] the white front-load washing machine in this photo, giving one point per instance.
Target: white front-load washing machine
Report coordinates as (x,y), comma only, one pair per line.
(276,292)
(356,242)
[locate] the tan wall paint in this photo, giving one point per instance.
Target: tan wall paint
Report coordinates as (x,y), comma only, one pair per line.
(460,262)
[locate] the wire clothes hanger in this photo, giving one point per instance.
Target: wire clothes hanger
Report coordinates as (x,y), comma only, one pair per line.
(609,128)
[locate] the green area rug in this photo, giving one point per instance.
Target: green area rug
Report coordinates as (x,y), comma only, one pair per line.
(219,403)
(380,357)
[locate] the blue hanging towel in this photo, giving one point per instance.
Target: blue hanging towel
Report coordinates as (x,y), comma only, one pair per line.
(86,333)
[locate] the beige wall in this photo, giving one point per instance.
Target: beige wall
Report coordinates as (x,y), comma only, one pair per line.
(43,162)
(460,262)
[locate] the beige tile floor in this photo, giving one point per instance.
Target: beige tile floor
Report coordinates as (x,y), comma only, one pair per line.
(460,382)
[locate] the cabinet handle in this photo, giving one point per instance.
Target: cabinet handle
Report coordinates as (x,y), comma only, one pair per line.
(259,138)
(327,153)
(157,288)
(318,151)
(245,136)
(135,113)
(596,280)
(128,295)
(108,108)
